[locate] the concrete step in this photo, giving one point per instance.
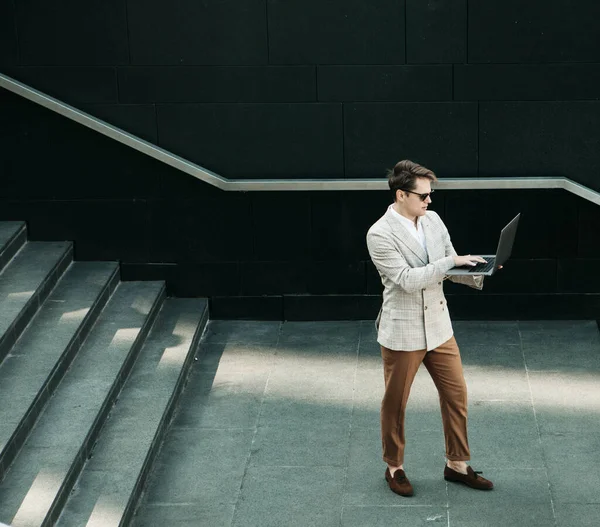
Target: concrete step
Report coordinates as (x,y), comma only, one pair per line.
(13,235)
(112,480)
(37,362)
(43,474)
(25,283)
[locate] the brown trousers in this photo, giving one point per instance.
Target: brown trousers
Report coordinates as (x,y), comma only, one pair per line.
(445,367)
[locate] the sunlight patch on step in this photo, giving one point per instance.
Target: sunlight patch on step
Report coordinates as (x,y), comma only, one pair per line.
(38,500)
(19,295)
(172,357)
(185,326)
(78,314)
(141,305)
(125,336)
(107,513)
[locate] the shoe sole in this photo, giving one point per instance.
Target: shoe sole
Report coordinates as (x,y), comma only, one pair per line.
(405,495)
(465,483)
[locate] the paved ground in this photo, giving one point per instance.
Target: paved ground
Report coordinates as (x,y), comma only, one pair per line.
(279,426)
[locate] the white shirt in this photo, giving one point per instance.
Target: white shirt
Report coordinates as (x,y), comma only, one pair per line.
(418,233)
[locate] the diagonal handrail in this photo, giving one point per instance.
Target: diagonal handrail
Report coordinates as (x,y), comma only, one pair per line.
(246,185)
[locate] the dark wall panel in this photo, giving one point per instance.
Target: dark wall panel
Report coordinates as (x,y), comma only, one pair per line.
(103,229)
(189,279)
(215,229)
(197,33)
(339,277)
(8,33)
(518,31)
(72,32)
(246,307)
(281,227)
(524,307)
(275,53)
(256,140)
(273,278)
(578,276)
(173,184)
(73,85)
(589,231)
(46,156)
(336,32)
(436,31)
(340,221)
(522,82)
(137,119)
(438,135)
(541,139)
(374,285)
(548,221)
(385,83)
(217,84)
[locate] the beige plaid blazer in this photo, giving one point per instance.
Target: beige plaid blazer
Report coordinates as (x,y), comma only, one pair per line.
(414,314)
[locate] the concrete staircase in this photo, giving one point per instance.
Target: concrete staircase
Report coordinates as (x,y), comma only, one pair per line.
(90,372)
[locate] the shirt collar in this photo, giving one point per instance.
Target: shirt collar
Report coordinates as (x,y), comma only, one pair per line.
(406,222)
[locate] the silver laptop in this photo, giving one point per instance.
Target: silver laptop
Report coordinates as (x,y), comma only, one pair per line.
(505,245)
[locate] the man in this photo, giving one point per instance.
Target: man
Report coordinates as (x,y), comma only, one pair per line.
(411,248)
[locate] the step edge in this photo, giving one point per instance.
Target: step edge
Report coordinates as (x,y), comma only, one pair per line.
(13,245)
(52,382)
(138,478)
(31,307)
(164,423)
(91,437)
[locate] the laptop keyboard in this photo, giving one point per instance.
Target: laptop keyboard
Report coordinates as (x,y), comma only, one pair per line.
(483,267)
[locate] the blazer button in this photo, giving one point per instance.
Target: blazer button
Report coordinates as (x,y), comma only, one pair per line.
(441,301)
(439,283)
(425,307)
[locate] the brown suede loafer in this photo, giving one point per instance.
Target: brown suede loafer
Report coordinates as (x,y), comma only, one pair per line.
(399,483)
(470,479)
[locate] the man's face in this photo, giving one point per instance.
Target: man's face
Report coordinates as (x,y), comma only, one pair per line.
(411,202)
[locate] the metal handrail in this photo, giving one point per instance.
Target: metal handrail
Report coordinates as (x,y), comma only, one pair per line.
(246,185)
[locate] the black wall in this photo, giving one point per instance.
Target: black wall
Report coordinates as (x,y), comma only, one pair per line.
(306,88)
(328,88)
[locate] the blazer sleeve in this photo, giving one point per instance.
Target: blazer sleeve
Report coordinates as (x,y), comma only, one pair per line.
(476,282)
(391,263)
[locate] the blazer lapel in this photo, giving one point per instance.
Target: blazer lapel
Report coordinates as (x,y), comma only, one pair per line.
(407,239)
(429,235)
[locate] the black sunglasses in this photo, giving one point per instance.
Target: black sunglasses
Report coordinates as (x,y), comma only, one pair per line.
(422,197)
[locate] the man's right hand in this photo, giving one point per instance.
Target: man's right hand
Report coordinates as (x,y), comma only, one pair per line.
(468,260)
